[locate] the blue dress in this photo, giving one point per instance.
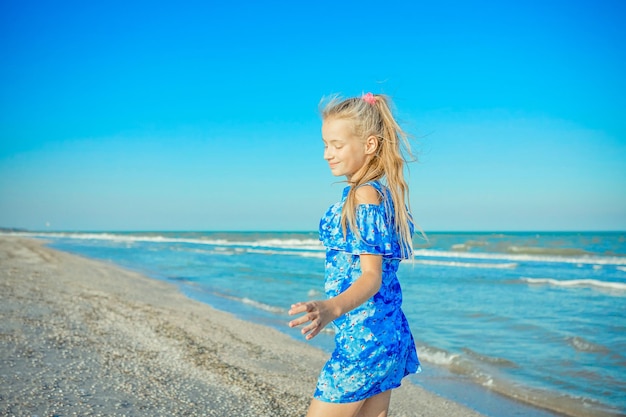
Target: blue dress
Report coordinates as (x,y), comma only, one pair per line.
(374,347)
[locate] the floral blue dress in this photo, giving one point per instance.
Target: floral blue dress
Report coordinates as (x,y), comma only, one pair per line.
(374,347)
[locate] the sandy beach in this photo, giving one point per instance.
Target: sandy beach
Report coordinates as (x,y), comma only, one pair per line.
(85,338)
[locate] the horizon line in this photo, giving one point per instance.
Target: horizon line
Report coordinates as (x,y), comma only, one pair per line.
(21,229)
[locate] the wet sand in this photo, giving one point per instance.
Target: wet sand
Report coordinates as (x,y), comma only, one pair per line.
(86,338)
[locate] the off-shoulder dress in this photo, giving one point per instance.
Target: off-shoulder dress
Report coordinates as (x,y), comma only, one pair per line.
(374,347)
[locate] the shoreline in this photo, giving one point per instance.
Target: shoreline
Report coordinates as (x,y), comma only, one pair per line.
(84,337)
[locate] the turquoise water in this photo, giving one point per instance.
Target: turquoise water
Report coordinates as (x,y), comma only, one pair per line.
(536,317)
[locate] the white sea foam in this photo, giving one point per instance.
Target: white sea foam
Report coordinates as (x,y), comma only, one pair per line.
(305,254)
(290,243)
(594,260)
(261,306)
(589,283)
(490,360)
(115,237)
(489,265)
(312,293)
(584,345)
(437,356)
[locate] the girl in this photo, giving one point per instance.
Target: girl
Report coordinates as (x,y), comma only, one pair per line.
(366,235)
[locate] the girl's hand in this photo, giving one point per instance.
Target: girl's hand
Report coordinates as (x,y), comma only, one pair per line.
(318,313)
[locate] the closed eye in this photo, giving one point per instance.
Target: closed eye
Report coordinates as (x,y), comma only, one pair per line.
(334,143)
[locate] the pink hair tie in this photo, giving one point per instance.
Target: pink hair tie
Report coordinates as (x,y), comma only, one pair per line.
(369,98)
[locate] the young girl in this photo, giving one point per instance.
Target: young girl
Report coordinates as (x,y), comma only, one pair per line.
(366,235)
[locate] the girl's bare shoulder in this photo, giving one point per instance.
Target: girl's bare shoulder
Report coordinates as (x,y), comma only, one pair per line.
(367,194)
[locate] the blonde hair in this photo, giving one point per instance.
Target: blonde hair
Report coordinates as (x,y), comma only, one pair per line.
(374,117)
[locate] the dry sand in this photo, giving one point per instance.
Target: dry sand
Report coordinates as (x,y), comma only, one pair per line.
(80,337)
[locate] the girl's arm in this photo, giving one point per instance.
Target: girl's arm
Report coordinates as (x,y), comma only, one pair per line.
(320,313)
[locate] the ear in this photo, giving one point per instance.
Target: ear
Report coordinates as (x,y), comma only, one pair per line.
(371,145)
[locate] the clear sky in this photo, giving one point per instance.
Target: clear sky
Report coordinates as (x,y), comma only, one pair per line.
(203,115)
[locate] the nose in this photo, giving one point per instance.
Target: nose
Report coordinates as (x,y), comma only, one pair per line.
(327,154)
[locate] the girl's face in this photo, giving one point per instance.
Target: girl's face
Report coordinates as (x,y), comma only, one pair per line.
(344,151)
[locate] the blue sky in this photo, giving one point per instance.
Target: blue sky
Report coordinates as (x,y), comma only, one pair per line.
(197,116)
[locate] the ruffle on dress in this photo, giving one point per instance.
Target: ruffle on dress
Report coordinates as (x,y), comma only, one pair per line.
(375,225)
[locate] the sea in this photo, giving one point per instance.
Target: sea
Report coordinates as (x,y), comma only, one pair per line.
(509,324)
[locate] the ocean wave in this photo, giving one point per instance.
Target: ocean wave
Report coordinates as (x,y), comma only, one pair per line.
(483,370)
(491,360)
(583,345)
(588,283)
(115,237)
(313,293)
(468,362)
(468,245)
(253,303)
(532,250)
(589,260)
(561,403)
(456,264)
(290,243)
(260,305)
(304,254)
(437,356)
(287,243)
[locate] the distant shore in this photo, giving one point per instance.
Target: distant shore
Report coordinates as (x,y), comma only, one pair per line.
(82,337)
